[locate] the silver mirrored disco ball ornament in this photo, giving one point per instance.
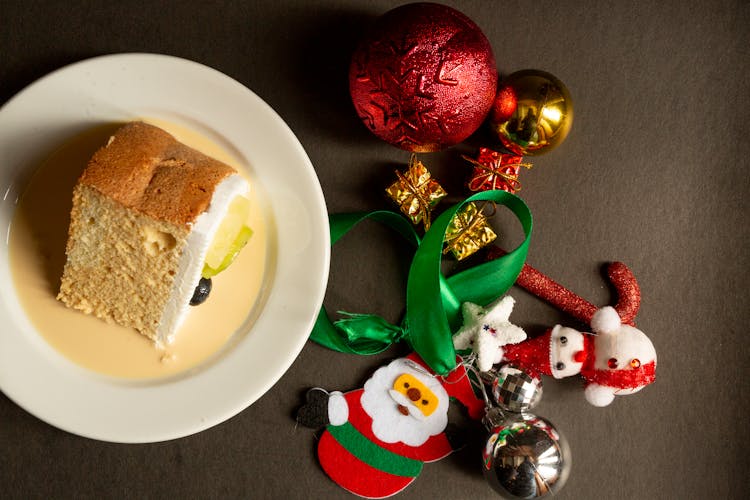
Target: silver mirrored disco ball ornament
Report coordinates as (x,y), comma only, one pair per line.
(524,456)
(516,390)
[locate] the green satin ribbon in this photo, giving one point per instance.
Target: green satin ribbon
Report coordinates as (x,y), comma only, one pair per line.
(433,302)
(361,333)
(430,318)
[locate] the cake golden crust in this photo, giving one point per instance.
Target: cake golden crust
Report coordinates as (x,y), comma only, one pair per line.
(146,169)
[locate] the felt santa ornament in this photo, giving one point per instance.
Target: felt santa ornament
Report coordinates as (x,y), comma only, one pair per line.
(617,359)
(377,438)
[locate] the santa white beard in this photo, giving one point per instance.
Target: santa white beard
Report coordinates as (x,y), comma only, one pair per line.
(388,423)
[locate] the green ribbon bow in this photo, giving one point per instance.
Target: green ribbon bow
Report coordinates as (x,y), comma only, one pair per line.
(433,302)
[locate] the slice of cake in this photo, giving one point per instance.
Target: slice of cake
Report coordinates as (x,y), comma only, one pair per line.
(150,216)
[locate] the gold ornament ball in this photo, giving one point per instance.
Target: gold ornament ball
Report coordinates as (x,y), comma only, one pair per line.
(533,112)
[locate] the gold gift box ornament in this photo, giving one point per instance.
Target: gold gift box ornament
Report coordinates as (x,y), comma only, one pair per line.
(468,231)
(416,192)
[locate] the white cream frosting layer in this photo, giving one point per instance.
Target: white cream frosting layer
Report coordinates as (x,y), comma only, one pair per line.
(194,255)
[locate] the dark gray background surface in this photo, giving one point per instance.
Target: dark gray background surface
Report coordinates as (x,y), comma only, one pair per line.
(654,173)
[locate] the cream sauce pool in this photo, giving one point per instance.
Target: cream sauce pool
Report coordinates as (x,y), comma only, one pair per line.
(37,241)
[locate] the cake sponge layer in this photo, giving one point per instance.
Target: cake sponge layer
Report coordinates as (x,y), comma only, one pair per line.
(121,263)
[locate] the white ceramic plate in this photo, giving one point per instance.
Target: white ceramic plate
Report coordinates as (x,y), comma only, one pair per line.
(123,87)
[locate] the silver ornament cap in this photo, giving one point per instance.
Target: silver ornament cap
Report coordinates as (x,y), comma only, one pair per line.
(525,457)
(516,390)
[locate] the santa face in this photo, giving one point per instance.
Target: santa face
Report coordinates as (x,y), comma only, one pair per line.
(405,403)
(626,348)
(566,352)
(624,363)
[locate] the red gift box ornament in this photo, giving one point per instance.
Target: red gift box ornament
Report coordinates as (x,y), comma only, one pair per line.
(493,170)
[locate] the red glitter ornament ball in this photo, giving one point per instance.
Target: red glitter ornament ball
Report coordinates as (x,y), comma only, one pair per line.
(424,78)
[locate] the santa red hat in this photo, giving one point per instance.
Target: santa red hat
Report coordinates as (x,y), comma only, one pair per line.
(532,354)
(457,384)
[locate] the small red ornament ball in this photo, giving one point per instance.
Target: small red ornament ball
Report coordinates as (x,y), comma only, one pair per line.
(505,105)
(424,78)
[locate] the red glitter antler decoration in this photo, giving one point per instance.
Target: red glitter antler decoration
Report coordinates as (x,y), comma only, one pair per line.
(542,286)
